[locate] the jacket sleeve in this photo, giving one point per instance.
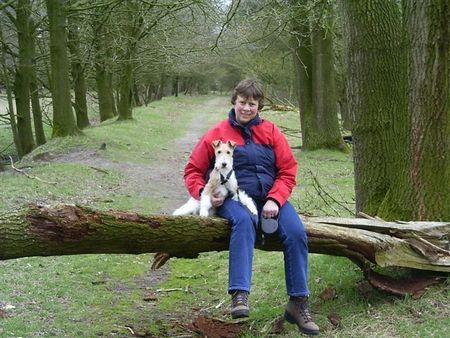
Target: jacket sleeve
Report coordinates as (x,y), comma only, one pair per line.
(286,165)
(197,167)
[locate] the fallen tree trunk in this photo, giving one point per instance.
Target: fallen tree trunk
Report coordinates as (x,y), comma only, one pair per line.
(68,230)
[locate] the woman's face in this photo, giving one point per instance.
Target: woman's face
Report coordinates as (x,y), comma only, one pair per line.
(245,109)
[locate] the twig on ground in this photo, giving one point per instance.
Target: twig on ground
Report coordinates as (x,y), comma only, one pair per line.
(27,175)
(321,192)
(129,329)
(220,304)
(173,289)
(100,170)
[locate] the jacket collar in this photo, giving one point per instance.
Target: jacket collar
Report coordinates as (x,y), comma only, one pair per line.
(232,118)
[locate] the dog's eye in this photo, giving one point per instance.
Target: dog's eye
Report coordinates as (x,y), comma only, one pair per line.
(219,151)
(228,152)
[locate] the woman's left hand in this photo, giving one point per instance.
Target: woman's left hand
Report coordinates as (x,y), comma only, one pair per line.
(270,209)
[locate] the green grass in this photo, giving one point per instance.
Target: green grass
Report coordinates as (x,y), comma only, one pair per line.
(102,295)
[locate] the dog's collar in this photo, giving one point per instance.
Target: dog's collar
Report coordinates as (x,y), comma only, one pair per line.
(224,179)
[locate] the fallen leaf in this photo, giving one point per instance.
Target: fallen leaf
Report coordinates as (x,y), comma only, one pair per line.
(2,313)
(334,318)
(328,294)
(150,297)
(278,326)
(364,289)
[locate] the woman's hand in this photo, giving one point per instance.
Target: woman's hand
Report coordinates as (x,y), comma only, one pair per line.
(217,200)
(270,209)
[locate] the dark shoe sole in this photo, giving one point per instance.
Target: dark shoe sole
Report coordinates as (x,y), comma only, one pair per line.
(240,313)
(292,320)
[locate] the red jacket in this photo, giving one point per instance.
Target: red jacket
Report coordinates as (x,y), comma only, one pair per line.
(264,164)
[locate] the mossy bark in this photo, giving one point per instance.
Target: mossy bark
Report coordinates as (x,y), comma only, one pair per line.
(132,31)
(66,230)
(34,93)
(103,59)
(376,66)
(22,82)
(324,88)
(428,33)
(302,54)
(9,96)
(63,118)
(314,66)
(78,78)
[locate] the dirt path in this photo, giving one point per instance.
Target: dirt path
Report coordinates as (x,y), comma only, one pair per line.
(163,178)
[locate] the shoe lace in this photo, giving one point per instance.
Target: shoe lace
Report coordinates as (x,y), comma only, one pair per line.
(240,298)
(303,309)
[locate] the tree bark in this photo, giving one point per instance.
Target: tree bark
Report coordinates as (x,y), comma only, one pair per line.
(302,55)
(34,93)
(8,85)
(428,33)
(22,83)
(78,78)
(133,29)
(324,86)
(376,66)
(68,230)
(101,42)
(63,118)
(314,64)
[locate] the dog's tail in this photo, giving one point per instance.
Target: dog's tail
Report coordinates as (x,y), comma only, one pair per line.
(191,207)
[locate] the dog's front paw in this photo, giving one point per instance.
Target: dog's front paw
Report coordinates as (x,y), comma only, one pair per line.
(204,213)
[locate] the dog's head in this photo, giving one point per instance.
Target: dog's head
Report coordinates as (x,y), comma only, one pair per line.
(224,154)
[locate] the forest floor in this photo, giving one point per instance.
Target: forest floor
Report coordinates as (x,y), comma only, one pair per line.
(162,178)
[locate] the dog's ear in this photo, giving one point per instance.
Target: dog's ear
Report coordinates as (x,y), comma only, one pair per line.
(232,144)
(216,143)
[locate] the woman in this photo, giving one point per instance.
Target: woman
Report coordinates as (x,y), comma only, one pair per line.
(266,169)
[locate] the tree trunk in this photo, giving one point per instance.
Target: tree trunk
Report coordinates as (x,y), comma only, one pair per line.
(377,100)
(133,29)
(37,111)
(9,96)
(66,230)
(106,104)
(22,83)
(302,55)
(428,27)
(63,119)
(136,97)
(77,71)
(175,85)
(126,80)
(324,87)
(34,93)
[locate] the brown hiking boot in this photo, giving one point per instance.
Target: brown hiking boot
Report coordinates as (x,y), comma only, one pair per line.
(297,312)
(239,304)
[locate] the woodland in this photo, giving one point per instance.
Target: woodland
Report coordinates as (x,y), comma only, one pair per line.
(368,78)
(380,65)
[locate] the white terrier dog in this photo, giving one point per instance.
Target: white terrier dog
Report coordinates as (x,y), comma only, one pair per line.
(222,181)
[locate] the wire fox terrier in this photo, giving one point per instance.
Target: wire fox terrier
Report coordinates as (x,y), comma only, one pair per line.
(222,181)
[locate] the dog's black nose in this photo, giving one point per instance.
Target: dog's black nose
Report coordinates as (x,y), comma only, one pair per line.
(224,164)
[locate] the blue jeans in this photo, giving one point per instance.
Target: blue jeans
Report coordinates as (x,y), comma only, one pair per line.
(242,242)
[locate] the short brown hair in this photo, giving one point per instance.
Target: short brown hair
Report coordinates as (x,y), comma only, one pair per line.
(249,88)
